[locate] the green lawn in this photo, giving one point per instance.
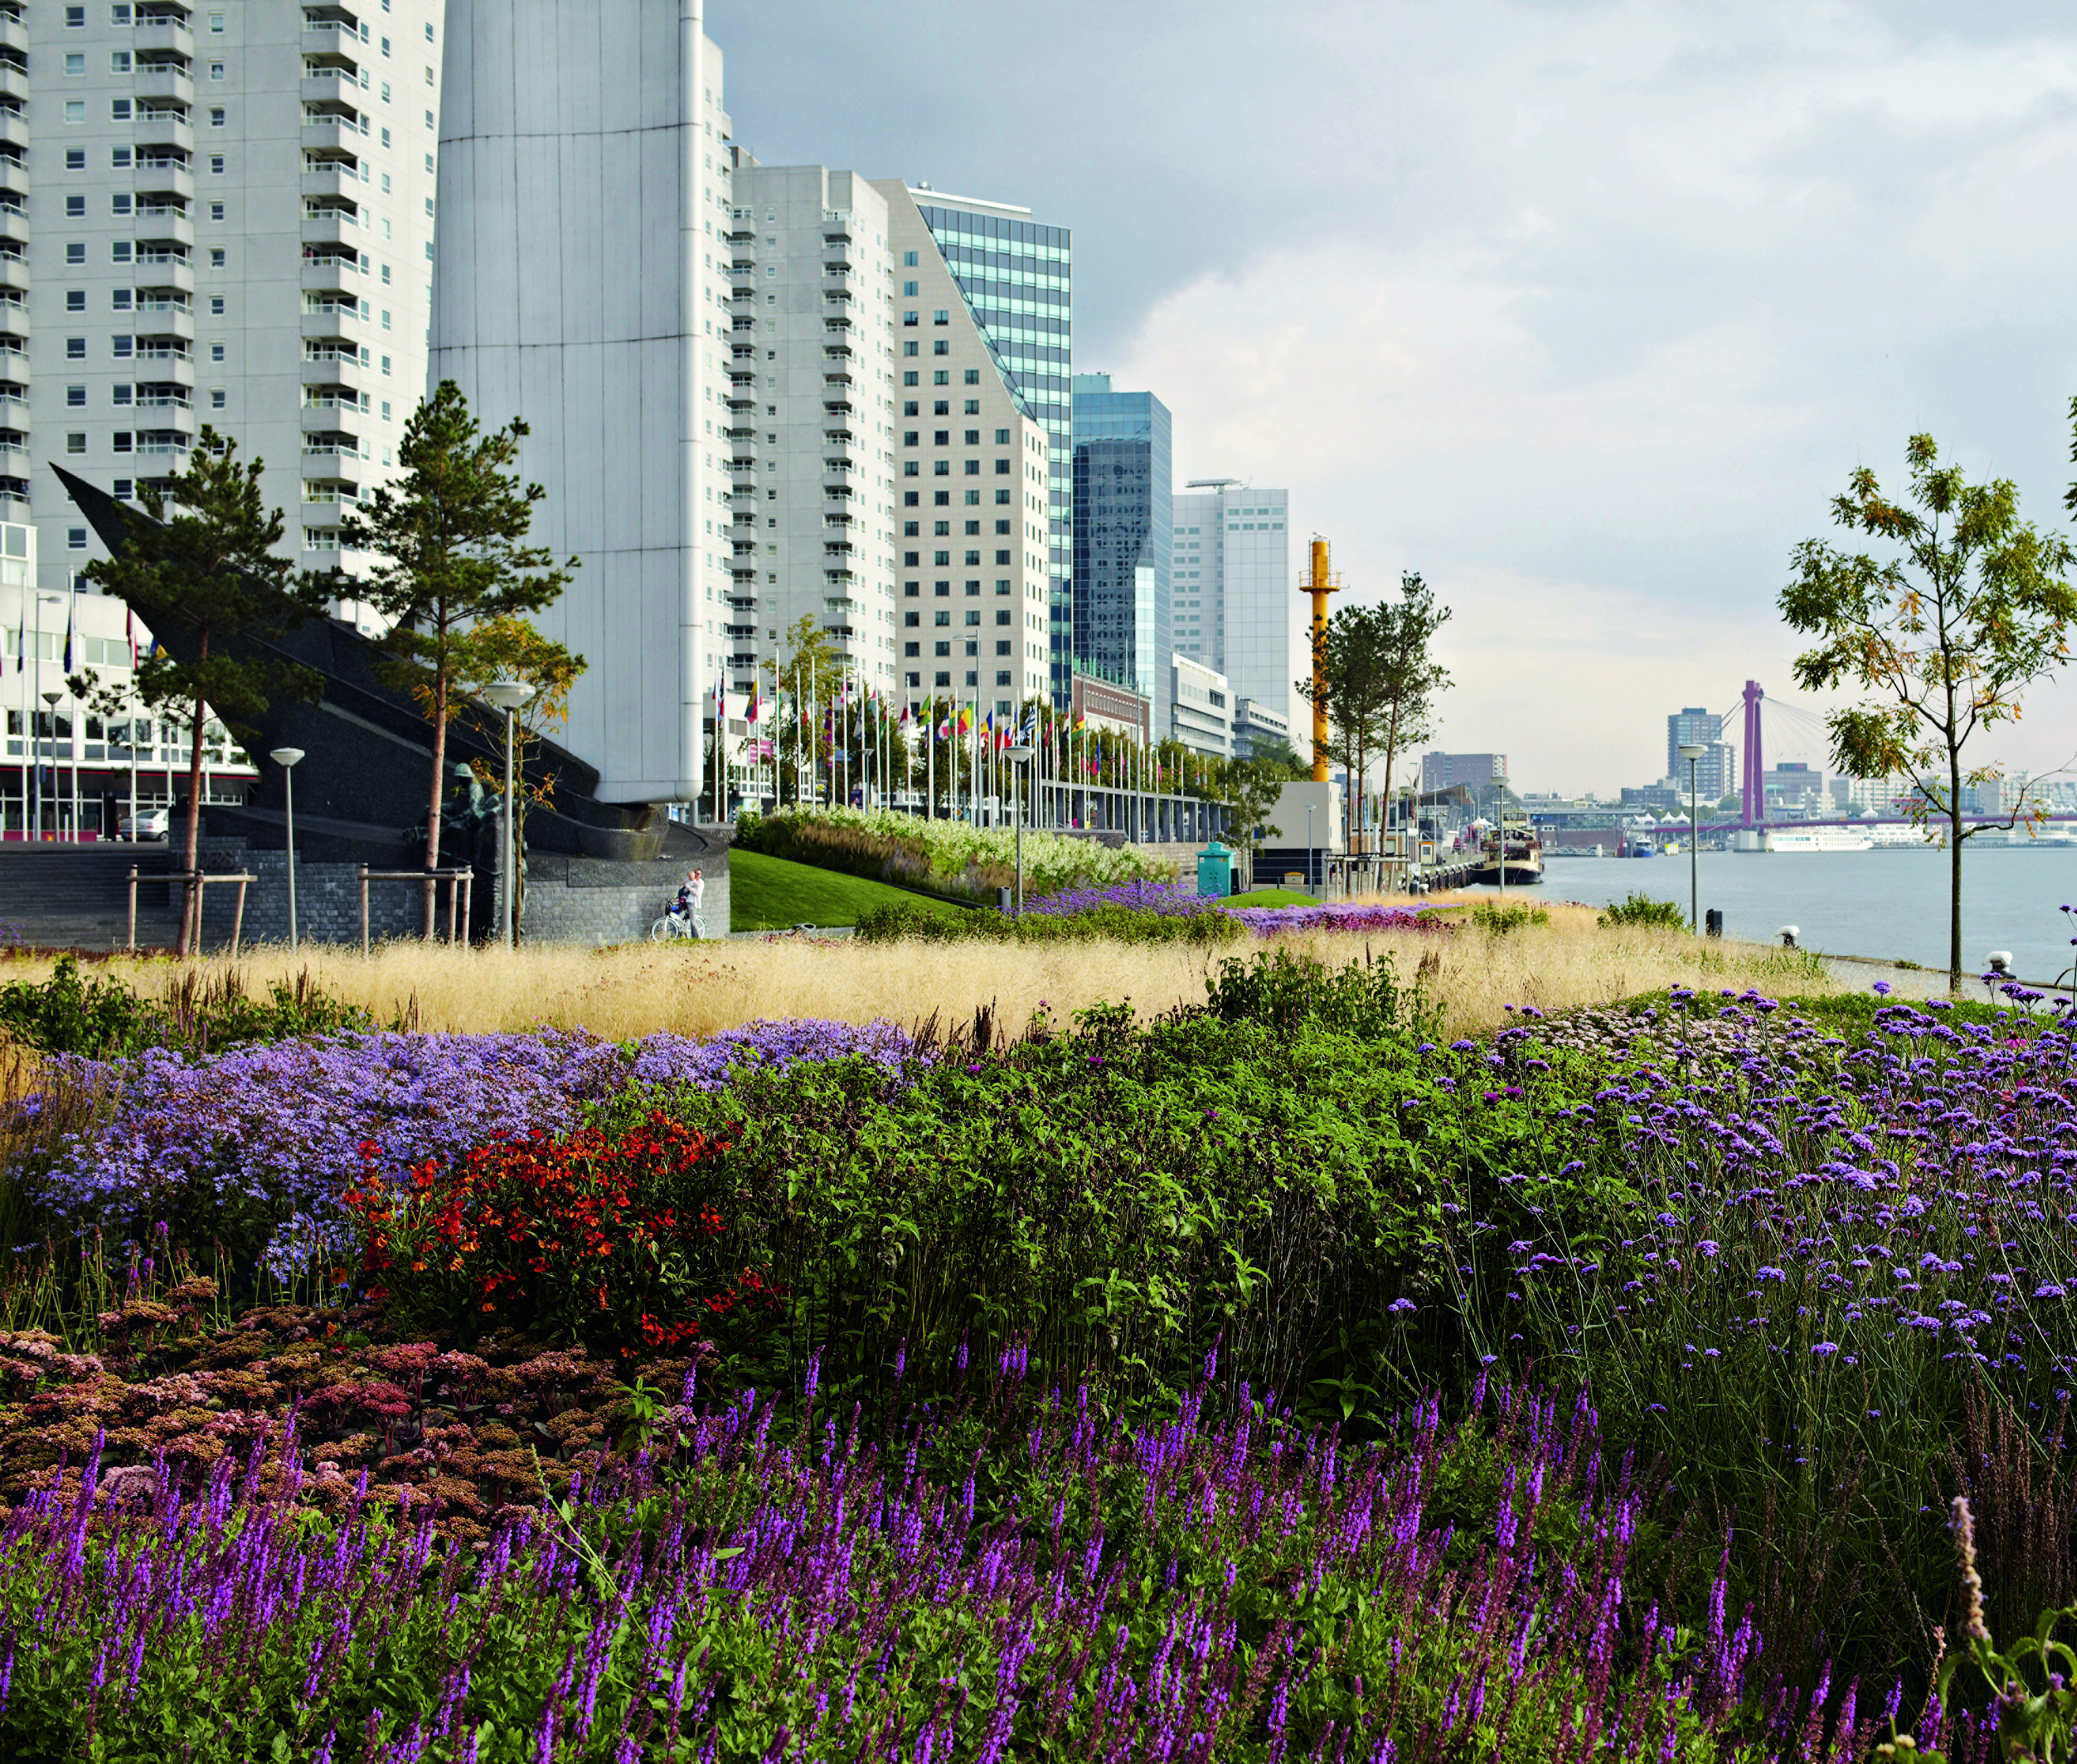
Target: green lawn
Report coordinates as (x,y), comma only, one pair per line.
(1273,898)
(769,894)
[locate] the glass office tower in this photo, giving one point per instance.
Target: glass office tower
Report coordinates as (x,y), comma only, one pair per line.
(1017,279)
(1123,535)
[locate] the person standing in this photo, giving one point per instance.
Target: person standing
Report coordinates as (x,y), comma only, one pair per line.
(696,887)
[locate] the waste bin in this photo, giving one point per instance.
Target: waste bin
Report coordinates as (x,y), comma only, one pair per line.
(1214,872)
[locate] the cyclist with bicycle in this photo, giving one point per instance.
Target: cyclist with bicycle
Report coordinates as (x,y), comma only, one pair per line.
(686,907)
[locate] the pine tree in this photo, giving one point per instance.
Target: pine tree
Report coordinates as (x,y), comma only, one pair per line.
(450,535)
(202,573)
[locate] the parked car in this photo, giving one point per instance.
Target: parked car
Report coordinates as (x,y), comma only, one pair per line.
(151,824)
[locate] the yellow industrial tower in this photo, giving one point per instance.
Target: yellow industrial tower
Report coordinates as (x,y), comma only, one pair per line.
(1320,587)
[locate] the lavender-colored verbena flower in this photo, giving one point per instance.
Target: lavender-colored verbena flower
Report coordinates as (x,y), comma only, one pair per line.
(285,1126)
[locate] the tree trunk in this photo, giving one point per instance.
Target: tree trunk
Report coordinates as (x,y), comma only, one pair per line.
(440,766)
(190,934)
(1384,799)
(1954,870)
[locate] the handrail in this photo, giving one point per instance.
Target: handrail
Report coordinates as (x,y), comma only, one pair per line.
(198,881)
(464,878)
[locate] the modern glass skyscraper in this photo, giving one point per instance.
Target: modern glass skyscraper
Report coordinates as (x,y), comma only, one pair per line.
(1016,278)
(1122,538)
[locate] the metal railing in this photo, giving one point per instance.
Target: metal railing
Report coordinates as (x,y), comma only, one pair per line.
(461,879)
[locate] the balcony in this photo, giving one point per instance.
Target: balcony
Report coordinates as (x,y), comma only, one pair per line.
(165,397)
(14,35)
(14,131)
(839,324)
(838,408)
(165,128)
(329,134)
(166,354)
(322,444)
(331,178)
(160,319)
(330,89)
(155,37)
(163,175)
(164,271)
(744,268)
(744,631)
(163,80)
(330,272)
(741,401)
(323,363)
(836,297)
(331,226)
(161,442)
(839,437)
(14,275)
(176,371)
(163,224)
(14,82)
(837,351)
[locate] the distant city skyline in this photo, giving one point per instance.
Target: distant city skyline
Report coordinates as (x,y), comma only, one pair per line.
(1554,368)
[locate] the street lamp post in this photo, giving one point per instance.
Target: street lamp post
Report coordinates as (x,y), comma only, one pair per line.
(1690,752)
(1312,862)
(508,696)
(1018,755)
(1500,825)
(57,818)
(286,758)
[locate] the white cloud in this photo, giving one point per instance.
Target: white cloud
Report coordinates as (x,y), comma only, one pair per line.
(1694,282)
(1582,310)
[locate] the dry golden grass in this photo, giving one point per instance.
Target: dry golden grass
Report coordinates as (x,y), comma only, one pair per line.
(699,988)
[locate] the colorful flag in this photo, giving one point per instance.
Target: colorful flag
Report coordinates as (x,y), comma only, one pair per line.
(130,633)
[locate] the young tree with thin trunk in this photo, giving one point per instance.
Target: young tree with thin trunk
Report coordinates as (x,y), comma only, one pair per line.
(812,671)
(509,647)
(450,535)
(198,568)
(1412,678)
(1946,632)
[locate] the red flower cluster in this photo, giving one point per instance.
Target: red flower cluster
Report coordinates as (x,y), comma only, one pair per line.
(596,1235)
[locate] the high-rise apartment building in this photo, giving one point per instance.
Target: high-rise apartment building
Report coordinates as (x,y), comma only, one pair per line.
(1017,280)
(813,525)
(1235,609)
(587,281)
(1122,476)
(1716,771)
(1475,771)
(977,486)
(231,221)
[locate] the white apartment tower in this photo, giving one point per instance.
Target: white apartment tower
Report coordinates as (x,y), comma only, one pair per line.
(228,219)
(813,383)
(1235,609)
(585,282)
(975,496)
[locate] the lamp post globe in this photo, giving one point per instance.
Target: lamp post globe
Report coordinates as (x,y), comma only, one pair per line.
(286,758)
(1019,756)
(508,696)
(1691,752)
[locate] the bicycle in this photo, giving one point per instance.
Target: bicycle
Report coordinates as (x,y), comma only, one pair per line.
(670,925)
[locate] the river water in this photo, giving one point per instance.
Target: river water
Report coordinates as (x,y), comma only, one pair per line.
(1887,902)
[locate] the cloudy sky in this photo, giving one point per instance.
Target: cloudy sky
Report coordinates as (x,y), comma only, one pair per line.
(1582,310)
